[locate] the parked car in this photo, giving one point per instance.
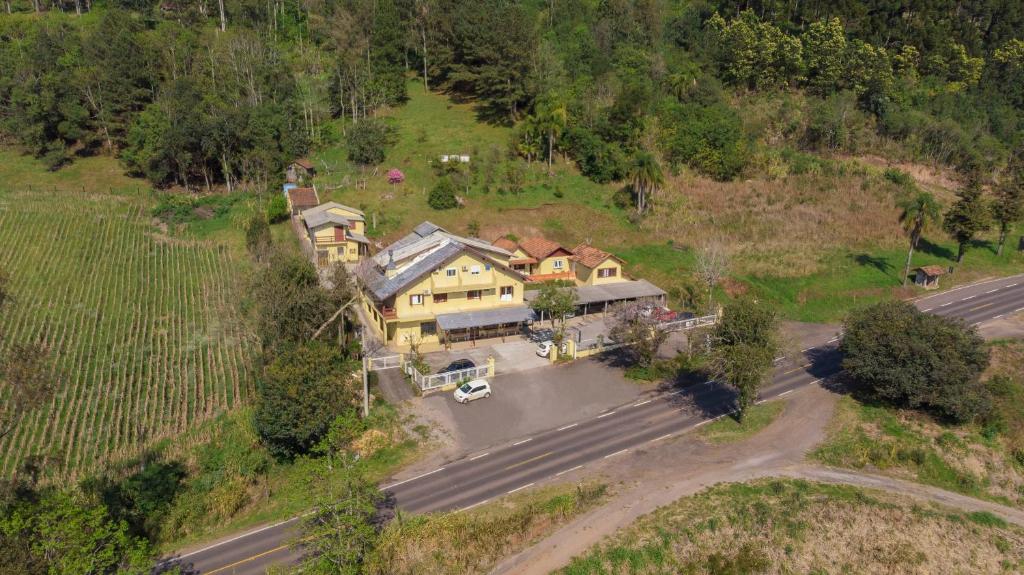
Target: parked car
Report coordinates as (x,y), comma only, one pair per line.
(476,389)
(663,314)
(544,349)
(458,365)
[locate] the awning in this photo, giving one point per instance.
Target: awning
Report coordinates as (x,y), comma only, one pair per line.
(484,318)
(612,292)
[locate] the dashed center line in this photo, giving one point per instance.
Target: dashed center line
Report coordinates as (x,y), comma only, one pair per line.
(530,460)
(564,427)
(992,291)
(981,306)
(969,297)
(605,414)
(527,440)
(947,303)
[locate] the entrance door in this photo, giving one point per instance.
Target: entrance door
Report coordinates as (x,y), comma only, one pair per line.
(321,258)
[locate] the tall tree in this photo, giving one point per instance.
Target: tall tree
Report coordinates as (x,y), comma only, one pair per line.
(556,303)
(745,342)
(1008,206)
(919,211)
(968,216)
(712,265)
(551,118)
(646,178)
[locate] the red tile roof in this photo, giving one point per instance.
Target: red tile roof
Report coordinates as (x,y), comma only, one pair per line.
(540,248)
(933,270)
(505,244)
(549,277)
(590,256)
(303,197)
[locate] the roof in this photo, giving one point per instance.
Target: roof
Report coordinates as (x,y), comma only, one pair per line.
(521,261)
(505,244)
(590,256)
(384,287)
(933,270)
(609,292)
(552,276)
(315,219)
(356,237)
(540,248)
(327,206)
(303,197)
(427,236)
(305,163)
(418,233)
(497,316)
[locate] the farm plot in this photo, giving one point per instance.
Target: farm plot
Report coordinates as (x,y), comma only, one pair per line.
(144,330)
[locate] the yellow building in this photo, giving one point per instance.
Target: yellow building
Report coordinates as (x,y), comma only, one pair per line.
(596,267)
(336,232)
(539,259)
(435,287)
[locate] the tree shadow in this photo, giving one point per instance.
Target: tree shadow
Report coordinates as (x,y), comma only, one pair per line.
(978,244)
(926,247)
(880,264)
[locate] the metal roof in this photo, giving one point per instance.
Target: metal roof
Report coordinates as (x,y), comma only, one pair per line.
(327,206)
(497,316)
(317,219)
(384,287)
(356,237)
(617,291)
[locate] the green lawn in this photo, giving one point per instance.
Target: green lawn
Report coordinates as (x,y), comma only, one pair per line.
(728,430)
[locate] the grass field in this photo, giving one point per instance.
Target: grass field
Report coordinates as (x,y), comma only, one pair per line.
(728,430)
(774,526)
(143,328)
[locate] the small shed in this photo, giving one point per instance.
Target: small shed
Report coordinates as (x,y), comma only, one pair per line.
(299,170)
(928,276)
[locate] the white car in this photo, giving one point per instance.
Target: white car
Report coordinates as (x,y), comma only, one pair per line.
(545,347)
(471,390)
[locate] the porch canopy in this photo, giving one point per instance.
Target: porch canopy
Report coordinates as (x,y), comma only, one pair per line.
(610,293)
(485,318)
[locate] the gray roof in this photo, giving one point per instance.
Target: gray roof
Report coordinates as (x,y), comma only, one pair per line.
(317,219)
(356,237)
(418,233)
(501,315)
(328,205)
(612,292)
(384,287)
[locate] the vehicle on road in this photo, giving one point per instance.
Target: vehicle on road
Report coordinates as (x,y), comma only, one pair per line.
(458,365)
(476,389)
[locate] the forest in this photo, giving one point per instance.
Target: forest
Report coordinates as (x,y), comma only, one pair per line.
(203,95)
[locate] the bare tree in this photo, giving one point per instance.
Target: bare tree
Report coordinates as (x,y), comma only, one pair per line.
(223,18)
(635,324)
(712,266)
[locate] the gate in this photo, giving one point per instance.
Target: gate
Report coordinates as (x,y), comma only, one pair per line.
(433,382)
(384,362)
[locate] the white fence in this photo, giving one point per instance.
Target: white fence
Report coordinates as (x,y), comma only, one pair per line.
(689,323)
(431,382)
(385,362)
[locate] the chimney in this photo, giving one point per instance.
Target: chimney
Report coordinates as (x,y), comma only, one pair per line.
(390,270)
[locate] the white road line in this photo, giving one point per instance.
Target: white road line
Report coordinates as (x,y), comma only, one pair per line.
(992,291)
(233,539)
(998,316)
(805,350)
(616,453)
(705,422)
(759,402)
(969,297)
(605,414)
(479,456)
(564,427)
(785,392)
(833,339)
(928,309)
(528,439)
(560,473)
(641,403)
(1018,309)
(1010,286)
(412,479)
(947,303)
(473,505)
(779,358)
(667,435)
(521,488)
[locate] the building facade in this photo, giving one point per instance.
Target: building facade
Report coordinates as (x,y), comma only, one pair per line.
(336,233)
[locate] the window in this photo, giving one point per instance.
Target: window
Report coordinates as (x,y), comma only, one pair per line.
(341,251)
(440,298)
(451,272)
(352,251)
(416,299)
(559,264)
(473,294)
(487,267)
(475,270)
(607,272)
(506,293)
(428,328)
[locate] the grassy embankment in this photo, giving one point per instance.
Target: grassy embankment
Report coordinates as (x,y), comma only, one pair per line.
(981,461)
(818,238)
(775,526)
(728,430)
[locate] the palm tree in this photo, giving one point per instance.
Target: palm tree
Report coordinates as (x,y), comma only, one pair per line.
(645,178)
(918,212)
(551,116)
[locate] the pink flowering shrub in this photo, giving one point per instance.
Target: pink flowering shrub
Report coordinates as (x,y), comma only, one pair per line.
(395,176)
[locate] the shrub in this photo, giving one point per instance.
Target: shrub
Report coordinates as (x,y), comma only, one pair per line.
(442,196)
(368,141)
(277,209)
(709,139)
(598,160)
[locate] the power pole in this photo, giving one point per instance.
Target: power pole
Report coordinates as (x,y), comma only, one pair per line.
(366,379)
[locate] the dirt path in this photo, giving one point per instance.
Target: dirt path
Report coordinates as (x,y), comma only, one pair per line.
(685,465)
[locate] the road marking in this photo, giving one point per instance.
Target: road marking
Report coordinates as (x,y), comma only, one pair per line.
(232,540)
(759,402)
(412,479)
(833,339)
(521,488)
(705,422)
(992,291)
(796,369)
(1011,285)
(605,414)
(785,392)
(667,435)
(947,303)
(1018,309)
(641,403)
(473,505)
(560,473)
(998,316)
(564,427)
(247,559)
(980,306)
(927,309)
(969,297)
(530,460)
(616,453)
(479,456)
(805,350)
(528,439)
(780,358)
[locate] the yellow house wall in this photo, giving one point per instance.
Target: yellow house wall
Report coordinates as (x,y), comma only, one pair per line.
(358,226)
(547,265)
(588,276)
(324,240)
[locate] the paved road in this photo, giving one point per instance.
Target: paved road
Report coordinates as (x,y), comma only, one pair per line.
(483,476)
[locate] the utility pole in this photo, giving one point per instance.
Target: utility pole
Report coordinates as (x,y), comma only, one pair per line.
(366,379)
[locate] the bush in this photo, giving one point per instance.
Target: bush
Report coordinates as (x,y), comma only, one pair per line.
(598,160)
(277,209)
(368,141)
(442,197)
(911,359)
(709,139)
(836,124)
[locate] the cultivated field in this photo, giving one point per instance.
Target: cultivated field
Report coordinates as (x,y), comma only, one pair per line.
(143,328)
